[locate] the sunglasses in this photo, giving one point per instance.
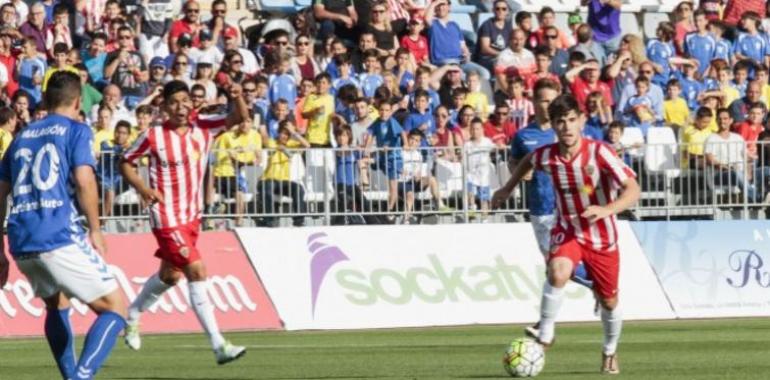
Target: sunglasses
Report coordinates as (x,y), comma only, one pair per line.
(192,10)
(125,37)
(501,9)
(180,63)
(236,62)
(303,43)
(198,96)
(282,43)
(250,89)
(219,11)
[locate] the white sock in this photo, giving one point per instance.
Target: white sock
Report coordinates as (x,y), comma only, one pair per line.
(152,290)
(549,309)
(199,300)
(612,321)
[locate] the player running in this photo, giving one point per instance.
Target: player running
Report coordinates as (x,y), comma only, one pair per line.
(44,164)
(587,176)
(178,151)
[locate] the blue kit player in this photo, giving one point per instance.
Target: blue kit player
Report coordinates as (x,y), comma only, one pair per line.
(49,173)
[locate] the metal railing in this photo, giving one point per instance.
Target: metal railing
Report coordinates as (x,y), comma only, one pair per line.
(437,185)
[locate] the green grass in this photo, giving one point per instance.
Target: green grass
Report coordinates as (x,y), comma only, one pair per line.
(707,349)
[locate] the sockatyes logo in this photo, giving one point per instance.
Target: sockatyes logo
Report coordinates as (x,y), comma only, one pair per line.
(324,257)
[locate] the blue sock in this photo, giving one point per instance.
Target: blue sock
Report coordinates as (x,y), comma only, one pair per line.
(99,342)
(59,334)
(581,276)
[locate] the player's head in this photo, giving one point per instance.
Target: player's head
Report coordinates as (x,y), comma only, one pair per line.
(545,91)
(566,119)
(177,102)
(63,93)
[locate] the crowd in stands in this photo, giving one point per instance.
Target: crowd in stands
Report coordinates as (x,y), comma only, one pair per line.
(395,77)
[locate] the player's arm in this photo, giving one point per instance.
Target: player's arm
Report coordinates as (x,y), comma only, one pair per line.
(129,173)
(629,195)
(5,190)
(241,110)
(88,200)
(519,172)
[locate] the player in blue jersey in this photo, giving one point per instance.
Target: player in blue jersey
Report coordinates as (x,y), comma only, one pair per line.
(49,173)
(700,44)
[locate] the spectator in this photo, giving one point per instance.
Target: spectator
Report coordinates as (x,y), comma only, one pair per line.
(725,153)
(547,19)
(700,44)
(656,93)
(604,19)
(494,35)
(404,70)
(114,100)
(31,68)
(542,67)
(371,79)
(499,127)
(204,76)
(180,70)
(692,88)
(8,124)
(157,72)
(684,23)
(411,175)
(515,60)
(724,47)
(614,136)
(277,181)
(126,69)
(218,26)
(237,150)
(22,11)
(415,42)
(89,96)
(477,152)
(389,137)
(675,110)
(693,138)
(102,128)
(250,66)
(421,118)
(35,27)
(231,70)
(59,63)
(734,10)
(189,25)
(587,46)
(739,108)
(108,174)
(660,51)
(360,126)
(522,108)
(599,116)
(584,80)
(476,97)
(379,26)
(157,17)
(447,45)
(318,109)
(638,111)
(751,44)
(348,160)
(144,119)
(523,21)
(94,57)
(59,32)
(750,129)
(303,65)
(558,56)
(207,52)
(336,18)
(21,105)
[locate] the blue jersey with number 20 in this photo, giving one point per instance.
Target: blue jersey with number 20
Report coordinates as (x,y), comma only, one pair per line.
(39,166)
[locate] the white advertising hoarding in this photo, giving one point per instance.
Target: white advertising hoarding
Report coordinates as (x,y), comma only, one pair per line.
(398,276)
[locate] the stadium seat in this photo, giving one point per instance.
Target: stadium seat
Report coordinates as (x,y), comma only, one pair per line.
(449,176)
(303,3)
(661,163)
(277,6)
(629,24)
(481,17)
(667,6)
(458,7)
(319,178)
(378,184)
(464,21)
(632,136)
(651,22)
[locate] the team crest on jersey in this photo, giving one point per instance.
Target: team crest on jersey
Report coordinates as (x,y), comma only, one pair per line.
(590,169)
(195,155)
(184,252)
(587,189)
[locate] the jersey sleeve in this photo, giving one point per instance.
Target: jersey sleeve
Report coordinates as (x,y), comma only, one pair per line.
(139,149)
(80,147)
(612,165)
(536,159)
(215,124)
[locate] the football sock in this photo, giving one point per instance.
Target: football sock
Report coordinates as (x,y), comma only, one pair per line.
(153,289)
(581,276)
(100,339)
(612,322)
(200,303)
(549,309)
(58,331)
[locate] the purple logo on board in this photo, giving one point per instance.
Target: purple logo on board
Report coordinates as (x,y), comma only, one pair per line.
(324,257)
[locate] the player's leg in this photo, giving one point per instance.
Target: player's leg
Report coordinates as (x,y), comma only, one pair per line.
(58,332)
(166,277)
(604,267)
(559,272)
(102,334)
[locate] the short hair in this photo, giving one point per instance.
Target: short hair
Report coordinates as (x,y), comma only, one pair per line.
(60,9)
(546,10)
(422,70)
(173,87)
(543,50)
(361,99)
(283,126)
(699,12)
(63,89)
(617,124)
(123,124)
(704,112)
(516,79)
(416,132)
(261,79)
(673,82)
(421,94)
(759,105)
(197,87)
(562,106)
(280,101)
(477,120)
(521,16)
(341,59)
(323,75)
(60,48)
(595,95)
(459,91)
(144,109)
(6,114)
(100,36)
(369,53)
(347,93)
(642,80)
(744,64)
(722,110)
(577,56)
(218,2)
(343,129)
(543,84)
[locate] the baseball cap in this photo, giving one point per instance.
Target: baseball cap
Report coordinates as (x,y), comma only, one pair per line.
(184,39)
(205,34)
(574,19)
(230,33)
(157,61)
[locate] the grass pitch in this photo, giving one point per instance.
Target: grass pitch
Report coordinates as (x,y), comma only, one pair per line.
(706,349)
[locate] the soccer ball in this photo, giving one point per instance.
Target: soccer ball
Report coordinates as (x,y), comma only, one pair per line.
(524,358)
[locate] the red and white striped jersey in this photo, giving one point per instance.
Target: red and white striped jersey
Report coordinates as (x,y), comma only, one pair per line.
(591,178)
(177,163)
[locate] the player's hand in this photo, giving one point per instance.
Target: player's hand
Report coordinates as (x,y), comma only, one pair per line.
(499,198)
(596,213)
(5,266)
(97,240)
(151,196)
(236,91)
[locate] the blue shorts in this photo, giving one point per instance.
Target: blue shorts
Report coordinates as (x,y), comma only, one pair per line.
(392,166)
(406,187)
(111,182)
(483,193)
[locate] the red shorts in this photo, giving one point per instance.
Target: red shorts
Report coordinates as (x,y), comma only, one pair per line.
(177,244)
(602,266)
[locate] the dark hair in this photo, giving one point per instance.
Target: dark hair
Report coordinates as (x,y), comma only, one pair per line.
(704,112)
(60,47)
(759,105)
(347,93)
(543,84)
(545,10)
(416,132)
(123,124)
(458,91)
(343,129)
(341,59)
(145,109)
(640,80)
(477,120)
(521,16)
(283,126)
(63,89)
(543,50)
(60,9)
(218,2)
(562,106)
(673,82)
(174,87)
(699,12)
(420,93)
(724,110)
(577,56)
(197,87)
(6,114)
(323,75)
(617,124)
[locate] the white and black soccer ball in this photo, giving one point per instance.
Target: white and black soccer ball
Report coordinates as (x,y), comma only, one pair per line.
(524,358)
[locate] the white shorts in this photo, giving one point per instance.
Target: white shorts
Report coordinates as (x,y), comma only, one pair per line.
(76,270)
(542,224)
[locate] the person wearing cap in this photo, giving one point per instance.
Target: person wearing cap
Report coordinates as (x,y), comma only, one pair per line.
(126,68)
(207,51)
(494,35)
(189,25)
(604,19)
(157,72)
(573,22)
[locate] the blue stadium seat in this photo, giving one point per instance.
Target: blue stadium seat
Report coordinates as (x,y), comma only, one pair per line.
(462,8)
(277,6)
(303,3)
(464,21)
(481,17)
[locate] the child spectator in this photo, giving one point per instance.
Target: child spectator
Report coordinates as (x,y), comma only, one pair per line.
(675,110)
(349,193)
(236,150)
(741,76)
(750,44)
(60,53)
(108,173)
(318,110)
(459,95)
(31,67)
(415,42)
(478,163)
(279,112)
(389,136)
(8,123)
(423,81)
(700,44)
(599,117)
(692,88)
(371,79)
(749,130)
(521,106)
(411,176)
(476,98)
(261,94)
(306,88)
(421,118)
(724,48)
(89,96)
(204,76)
(144,120)
(404,70)
(693,138)
(276,180)
(345,68)
(613,138)
(638,110)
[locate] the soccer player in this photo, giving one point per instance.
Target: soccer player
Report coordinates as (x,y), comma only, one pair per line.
(178,152)
(48,243)
(586,175)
